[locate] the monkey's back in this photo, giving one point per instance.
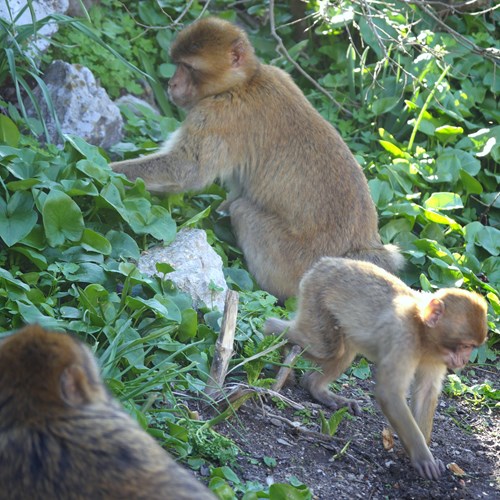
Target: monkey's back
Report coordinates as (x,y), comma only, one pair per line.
(284,149)
(96,454)
(359,296)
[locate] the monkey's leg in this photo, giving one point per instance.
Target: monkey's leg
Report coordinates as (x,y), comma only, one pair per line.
(317,383)
(426,389)
(276,258)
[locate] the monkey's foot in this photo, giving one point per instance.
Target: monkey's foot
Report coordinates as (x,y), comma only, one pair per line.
(325,396)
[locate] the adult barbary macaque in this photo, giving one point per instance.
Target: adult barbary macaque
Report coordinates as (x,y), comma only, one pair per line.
(62,436)
(296,192)
(348,307)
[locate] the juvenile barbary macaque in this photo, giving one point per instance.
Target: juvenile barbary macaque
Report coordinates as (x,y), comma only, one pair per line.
(62,436)
(296,192)
(348,307)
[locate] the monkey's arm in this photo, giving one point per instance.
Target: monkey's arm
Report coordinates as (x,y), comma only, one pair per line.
(427,387)
(392,385)
(162,173)
(182,164)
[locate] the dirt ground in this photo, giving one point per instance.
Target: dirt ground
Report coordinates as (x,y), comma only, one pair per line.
(354,464)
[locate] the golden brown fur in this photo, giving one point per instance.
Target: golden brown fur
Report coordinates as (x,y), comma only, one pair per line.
(348,307)
(296,193)
(62,437)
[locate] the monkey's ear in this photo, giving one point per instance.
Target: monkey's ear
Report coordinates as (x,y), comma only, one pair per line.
(237,53)
(432,312)
(74,386)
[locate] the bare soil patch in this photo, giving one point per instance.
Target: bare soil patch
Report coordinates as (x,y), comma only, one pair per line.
(462,434)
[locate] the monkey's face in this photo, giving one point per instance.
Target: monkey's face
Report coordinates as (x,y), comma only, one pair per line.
(182,87)
(458,357)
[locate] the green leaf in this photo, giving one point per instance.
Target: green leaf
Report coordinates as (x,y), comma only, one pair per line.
(489,239)
(392,148)
(444,201)
(189,325)
(362,370)
(385,104)
(90,152)
(95,242)
(432,216)
(449,130)
(471,185)
(381,191)
(280,491)
(62,218)
(9,133)
(17,217)
(122,245)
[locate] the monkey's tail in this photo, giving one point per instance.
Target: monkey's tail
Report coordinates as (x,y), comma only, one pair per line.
(275,326)
(387,257)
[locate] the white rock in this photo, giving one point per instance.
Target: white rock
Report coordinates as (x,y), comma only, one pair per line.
(197,267)
(82,105)
(41,8)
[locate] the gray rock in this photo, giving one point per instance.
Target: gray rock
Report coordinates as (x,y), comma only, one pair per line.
(41,8)
(197,267)
(82,106)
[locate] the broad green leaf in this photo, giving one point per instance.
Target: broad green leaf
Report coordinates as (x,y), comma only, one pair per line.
(432,216)
(281,491)
(8,279)
(444,201)
(94,170)
(79,187)
(17,217)
(385,104)
(240,277)
(9,133)
(62,219)
(88,151)
(188,326)
(489,238)
(381,192)
(36,257)
(123,246)
(471,185)
(361,370)
(95,242)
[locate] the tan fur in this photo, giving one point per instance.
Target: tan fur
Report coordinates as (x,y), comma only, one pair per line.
(62,436)
(348,307)
(296,191)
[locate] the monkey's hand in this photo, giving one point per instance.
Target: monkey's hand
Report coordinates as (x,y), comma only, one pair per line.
(429,468)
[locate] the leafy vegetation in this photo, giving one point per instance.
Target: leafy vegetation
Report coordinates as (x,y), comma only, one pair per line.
(414,94)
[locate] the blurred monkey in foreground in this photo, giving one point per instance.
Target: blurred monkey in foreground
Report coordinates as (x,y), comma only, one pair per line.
(348,307)
(63,437)
(296,192)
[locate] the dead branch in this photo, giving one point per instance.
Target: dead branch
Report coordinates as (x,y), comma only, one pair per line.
(224,344)
(287,367)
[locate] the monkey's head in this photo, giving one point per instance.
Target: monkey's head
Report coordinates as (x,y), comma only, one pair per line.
(43,371)
(456,320)
(212,56)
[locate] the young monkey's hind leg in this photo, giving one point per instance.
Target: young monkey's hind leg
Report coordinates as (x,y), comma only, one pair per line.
(317,382)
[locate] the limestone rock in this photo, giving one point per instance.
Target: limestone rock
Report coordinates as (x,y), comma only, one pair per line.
(83,107)
(198,268)
(41,8)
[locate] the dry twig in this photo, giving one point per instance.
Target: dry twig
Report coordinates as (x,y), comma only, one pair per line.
(224,344)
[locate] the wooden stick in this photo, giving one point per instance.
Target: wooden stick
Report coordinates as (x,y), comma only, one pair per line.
(224,345)
(284,371)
